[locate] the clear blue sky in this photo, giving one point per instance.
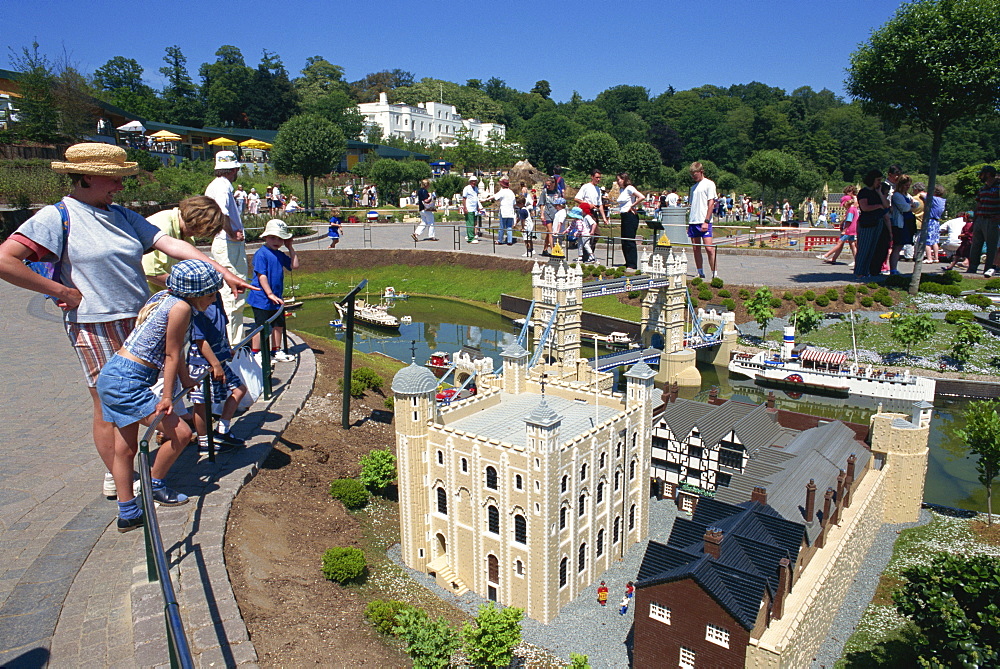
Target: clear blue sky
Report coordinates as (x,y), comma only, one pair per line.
(583,45)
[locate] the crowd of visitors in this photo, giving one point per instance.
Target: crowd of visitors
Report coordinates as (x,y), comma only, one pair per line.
(87,254)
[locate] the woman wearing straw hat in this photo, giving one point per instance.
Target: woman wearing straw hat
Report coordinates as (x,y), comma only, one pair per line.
(101,284)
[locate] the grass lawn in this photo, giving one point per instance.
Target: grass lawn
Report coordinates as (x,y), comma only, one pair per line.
(881,635)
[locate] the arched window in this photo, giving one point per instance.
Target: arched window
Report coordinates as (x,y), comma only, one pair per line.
(442,501)
(491,478)
(562,518)
(631,470)
(583,472)
(564,484)
(604,458)
(519,567)
(581,505)
(518,482)
(581,558)
(520,529)
(465,465)
(563,568)
(618,450)
(631,517)
(616,533)
(600,492)
(440,458)
(617,479)
(600,542)
(493,519)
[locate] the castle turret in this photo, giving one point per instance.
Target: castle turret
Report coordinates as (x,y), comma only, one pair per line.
(515,368)
(901,442)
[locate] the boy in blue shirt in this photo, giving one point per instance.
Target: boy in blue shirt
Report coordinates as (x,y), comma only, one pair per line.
(210,349)
(269,265)
(334,230)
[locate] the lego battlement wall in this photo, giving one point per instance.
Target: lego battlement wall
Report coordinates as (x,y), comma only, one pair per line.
(792,642)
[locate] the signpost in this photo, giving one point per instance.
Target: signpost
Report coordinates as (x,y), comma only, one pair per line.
(349,352)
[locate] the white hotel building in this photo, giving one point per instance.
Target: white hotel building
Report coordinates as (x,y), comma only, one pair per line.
(431,122)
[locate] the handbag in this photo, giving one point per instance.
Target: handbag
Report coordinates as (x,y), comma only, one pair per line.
(245,366)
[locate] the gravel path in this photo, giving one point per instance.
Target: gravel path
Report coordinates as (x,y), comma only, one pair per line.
(861,591)
(582,626)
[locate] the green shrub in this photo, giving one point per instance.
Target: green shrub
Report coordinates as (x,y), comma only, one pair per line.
(717,282)
(343,565)
(886,300)
(931,288)
(351,492)
(600,269)
(705,294)
(382,613)
(788,297)
(990,284)
(378,468)
(744,294)
(809,295)
(634,294)
(729,304)
(822,300)
(724,293)
(850,288)
(832,294)
(697,281)
(775,303)
(882,290)
(801,300)
(358,387)
(862,290)
(849,298)
(389,403)
(871,285)
(979,301)
(867,301)
(958,316)
(953,277)
(369,376)
(952,291)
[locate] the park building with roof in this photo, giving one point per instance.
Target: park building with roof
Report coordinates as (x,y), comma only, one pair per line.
(529,490)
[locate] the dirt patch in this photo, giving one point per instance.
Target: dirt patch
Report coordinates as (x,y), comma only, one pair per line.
(988,534)
(282,522)
(320,260)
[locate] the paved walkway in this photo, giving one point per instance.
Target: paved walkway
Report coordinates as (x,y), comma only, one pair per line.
(73,591)
(778,269)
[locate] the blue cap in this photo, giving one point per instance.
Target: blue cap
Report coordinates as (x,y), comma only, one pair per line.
(575,212)
(558,200)
(194,278)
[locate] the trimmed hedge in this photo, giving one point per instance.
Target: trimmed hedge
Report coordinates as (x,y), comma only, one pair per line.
(343,565)
(351,492)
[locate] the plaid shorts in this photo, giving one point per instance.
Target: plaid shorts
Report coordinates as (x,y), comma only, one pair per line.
(95,343)
(220,389)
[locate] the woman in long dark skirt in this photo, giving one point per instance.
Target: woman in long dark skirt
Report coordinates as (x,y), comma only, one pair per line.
(873,228)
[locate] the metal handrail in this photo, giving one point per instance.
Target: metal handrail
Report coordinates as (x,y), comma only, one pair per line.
(156,559)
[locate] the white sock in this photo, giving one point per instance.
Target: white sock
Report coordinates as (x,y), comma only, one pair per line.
(202,441)
(222,426)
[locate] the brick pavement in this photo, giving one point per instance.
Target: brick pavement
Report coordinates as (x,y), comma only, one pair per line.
(73,591)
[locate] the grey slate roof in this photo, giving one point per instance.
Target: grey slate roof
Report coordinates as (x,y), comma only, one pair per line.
(818,453)
(640,370)
(754,538)
(505,421)
(513,350)
(543,415)
(755,426)
(414,380)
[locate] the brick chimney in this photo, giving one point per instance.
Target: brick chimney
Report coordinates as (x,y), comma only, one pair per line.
(811,501)
(770,400)
(827,503)
(674,391)
(713,539)
(784,587)
(852,460)
(841,478)
(846,499)
(713,395)
(759,495)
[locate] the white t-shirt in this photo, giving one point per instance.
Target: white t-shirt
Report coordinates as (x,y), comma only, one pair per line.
(673,199)
(471,197)
(221,190)
(589,193)
(626,197)
(701,192)
(558,221)
(953,228)
(506,198)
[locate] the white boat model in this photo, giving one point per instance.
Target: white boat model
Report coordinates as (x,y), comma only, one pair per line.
(372,314)
(810,369)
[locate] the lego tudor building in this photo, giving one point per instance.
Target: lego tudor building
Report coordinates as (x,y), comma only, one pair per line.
(530,489)
(755,576)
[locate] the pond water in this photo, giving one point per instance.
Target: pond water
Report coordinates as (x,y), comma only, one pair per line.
(447,325)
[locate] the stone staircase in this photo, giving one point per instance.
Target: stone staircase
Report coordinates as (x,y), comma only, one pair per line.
(447,578)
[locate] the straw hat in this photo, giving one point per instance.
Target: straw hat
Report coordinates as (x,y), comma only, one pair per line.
(102,160)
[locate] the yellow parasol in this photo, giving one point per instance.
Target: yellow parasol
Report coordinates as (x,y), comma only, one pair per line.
(222,141)
(255,144)
(165,136)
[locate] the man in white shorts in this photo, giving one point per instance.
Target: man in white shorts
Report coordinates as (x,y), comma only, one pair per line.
(702,202)
(228,247)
